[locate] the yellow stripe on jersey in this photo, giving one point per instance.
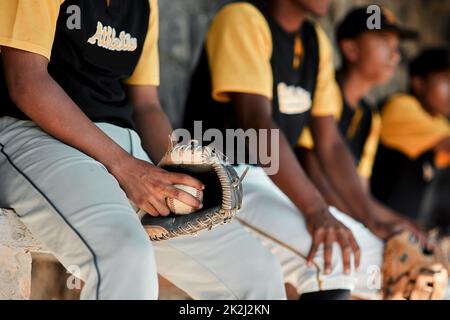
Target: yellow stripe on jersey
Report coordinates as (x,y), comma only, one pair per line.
(365,165)
(408,128)
(306,139)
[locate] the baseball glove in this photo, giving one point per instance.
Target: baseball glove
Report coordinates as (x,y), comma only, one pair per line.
(222,196)
(442,242)
(411,272)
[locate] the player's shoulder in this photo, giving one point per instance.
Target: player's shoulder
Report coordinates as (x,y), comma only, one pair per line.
(239,9)
(401,102)
(240,13)
(403,99)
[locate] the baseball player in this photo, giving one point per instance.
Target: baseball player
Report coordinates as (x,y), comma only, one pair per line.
(265,66)
(79,121)
(370,58)
(415,137)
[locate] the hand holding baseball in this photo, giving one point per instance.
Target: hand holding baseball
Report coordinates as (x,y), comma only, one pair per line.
(180,208)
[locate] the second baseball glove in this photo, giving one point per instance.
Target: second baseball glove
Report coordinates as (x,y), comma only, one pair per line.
(411,272)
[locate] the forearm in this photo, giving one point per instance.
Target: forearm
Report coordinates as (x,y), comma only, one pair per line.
(291,178)
(340,167)
(383,212)
(154,129)
(315,172)
(46,104)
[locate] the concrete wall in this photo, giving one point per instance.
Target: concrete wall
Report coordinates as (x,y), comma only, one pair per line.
(184,23)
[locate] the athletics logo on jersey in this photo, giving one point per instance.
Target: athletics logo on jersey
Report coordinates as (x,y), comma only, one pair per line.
(105,37)
(293,100)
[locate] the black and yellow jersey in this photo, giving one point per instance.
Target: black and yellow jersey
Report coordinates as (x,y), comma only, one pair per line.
(247,51)
(114,44)
(408,128)
(360,128)
(406,161)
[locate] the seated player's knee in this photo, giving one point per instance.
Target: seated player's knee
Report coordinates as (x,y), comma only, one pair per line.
(129,247)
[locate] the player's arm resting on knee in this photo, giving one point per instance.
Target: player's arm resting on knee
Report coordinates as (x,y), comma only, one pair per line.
(41,98)
(239,48)
(254,111)
(339,165)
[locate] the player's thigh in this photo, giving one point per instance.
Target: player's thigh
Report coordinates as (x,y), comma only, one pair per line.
(267,208)
(226,262)
(60,192)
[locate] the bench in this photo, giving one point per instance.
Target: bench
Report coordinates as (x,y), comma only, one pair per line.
(17,245)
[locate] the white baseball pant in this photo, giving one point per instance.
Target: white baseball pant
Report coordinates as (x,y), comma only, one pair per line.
(274,219)
(72,204)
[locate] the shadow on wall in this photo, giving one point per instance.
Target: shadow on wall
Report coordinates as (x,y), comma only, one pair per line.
(183,24)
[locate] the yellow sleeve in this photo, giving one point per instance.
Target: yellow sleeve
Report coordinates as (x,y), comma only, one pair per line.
(407,127)
(326,96)
(239,48)
(306,139)
(147,69)
(365,165)
(29,25)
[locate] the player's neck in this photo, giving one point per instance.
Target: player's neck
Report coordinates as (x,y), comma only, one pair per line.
(288,15)
(354,87)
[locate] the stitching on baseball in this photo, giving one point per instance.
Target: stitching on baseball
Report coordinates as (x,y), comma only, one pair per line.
(171,205)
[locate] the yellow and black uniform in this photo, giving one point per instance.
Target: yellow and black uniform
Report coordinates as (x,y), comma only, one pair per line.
(247,51)
(408,136)
(361,129)
(410,129)
(114,44)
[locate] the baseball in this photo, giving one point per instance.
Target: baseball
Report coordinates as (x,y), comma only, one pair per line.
(179,207)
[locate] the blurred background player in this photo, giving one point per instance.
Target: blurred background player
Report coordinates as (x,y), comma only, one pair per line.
(266,66)
(411,172)
(369,59)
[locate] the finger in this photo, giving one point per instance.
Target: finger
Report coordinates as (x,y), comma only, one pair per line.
(183,196)
(178,178)
(150,209)
(328,251)
(161,207)
(313,250)
(356,250)
(346,252)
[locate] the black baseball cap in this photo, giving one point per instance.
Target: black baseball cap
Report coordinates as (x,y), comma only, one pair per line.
(356,22)
(431,60)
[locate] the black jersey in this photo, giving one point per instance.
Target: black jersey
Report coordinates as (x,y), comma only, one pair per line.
(91,62)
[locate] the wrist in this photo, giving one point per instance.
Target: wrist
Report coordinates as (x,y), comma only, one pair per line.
(314,209)
(118,162)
